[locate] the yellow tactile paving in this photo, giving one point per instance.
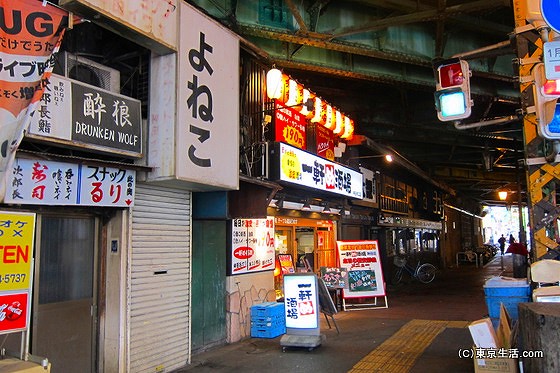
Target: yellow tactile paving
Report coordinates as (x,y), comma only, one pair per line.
(400,351)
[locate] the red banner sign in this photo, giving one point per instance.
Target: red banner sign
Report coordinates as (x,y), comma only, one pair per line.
(13,312)
(324,138)
(290,126)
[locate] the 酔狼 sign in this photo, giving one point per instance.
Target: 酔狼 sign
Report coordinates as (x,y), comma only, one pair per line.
(40,182)
(89,117)
(252,246)
(296,166)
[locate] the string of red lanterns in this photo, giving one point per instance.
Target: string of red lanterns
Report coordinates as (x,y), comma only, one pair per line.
(289,92)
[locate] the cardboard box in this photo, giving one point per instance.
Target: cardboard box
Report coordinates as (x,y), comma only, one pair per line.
(495,365)
(483,334)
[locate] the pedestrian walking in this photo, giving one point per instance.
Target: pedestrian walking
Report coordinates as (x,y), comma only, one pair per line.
(502,242)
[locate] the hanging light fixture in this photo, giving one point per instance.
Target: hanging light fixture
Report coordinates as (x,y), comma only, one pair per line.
(326,209)
(306,206)
(274,83)
(502,194)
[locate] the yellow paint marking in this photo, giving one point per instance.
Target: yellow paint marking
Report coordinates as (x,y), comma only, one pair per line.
(400,351)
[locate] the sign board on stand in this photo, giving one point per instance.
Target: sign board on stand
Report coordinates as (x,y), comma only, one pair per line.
(301,304)
(365,276)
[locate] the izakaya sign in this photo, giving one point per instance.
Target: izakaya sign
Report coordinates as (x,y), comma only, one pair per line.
(17,232)
(252,245)
(57,183)
(301,301)
(86,116)
(299,167)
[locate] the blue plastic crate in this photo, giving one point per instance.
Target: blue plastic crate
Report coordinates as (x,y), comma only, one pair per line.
(514,291)
(510,303)
(268,323)
(268,309)
(268,332)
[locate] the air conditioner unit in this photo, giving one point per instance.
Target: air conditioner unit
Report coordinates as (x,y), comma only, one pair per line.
(88,71)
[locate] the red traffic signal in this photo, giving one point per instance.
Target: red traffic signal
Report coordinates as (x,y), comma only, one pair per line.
(453,92)
(451,75)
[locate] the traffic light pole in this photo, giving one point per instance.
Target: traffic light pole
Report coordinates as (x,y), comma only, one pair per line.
(541,173)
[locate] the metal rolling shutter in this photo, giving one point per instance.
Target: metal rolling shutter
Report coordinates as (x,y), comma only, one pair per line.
(159,279)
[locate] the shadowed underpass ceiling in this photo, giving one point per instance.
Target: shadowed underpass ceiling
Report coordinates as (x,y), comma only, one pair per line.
(374,61)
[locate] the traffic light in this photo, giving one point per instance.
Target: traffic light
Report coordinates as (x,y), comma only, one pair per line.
(453,90)
(546,93)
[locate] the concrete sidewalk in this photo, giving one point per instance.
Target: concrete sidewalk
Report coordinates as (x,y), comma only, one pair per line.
(422,330)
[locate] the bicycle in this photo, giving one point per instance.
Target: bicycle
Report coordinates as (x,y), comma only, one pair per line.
(424,272)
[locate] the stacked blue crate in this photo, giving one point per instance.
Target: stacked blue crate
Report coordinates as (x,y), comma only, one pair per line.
(507,291)
(267,320)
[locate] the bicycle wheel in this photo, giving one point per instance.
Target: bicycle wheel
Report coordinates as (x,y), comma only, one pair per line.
(426,273)
(397,276)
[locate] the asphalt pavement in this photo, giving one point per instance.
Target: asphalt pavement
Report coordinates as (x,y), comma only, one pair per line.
(423,329)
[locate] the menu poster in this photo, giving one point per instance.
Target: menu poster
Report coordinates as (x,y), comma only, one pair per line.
(252,246)
(362,261)
(334,277)
(286,263)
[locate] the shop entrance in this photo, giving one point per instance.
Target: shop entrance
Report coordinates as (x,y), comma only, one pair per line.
(64,299)
(310,244)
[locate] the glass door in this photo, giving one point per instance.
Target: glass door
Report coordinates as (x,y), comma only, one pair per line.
(64,297)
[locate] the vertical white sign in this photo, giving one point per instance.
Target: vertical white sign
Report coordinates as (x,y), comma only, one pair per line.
(207,136)
(301,301)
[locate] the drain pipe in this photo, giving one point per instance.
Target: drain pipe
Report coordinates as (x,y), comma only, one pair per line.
(503,120)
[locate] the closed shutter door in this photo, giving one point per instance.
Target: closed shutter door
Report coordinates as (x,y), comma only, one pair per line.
(159,337)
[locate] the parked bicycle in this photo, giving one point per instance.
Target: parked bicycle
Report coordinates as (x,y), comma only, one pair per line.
(424,272)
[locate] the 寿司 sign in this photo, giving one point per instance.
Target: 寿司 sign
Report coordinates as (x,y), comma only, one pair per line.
(302,168)
(252,246)
(43,182)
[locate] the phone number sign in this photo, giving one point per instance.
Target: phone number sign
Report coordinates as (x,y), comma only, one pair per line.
(17,231)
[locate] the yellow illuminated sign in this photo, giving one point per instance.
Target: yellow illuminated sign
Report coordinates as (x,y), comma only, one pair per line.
(17,232)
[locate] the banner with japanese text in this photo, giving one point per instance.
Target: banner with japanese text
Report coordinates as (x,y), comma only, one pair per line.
(88,117)
(207,133)
(43,182)
(362,261)
(17,234)
(252,246)
(290,126)
(31,32)
(301,302)
(299,167)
